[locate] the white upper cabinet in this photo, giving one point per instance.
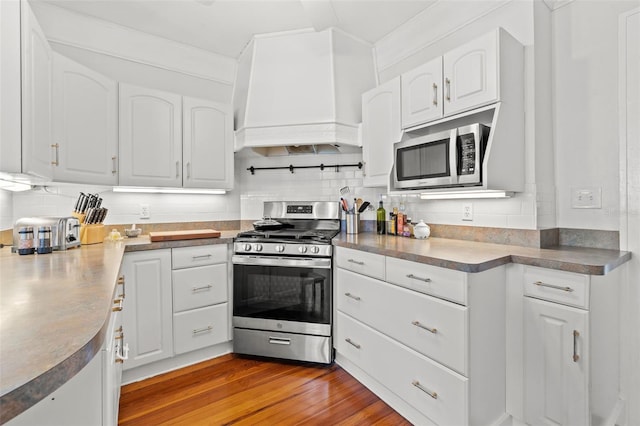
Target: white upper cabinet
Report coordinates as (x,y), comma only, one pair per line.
(150,137)
(85,129)
(380,130)
(481,72)
(422,94)
(471,74)
(207,144)
(37,58)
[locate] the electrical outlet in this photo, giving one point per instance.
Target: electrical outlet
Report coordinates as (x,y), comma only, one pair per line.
(145,212)
(586,198)
(467,211)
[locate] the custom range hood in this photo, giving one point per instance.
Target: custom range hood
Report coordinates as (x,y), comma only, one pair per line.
(300,92)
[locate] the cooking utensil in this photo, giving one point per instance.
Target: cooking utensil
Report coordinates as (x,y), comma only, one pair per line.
(344,190)
(344,205)
(359,202)
(267,225)
(363,207)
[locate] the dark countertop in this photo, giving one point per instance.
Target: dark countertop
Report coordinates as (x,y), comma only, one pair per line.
(471,256)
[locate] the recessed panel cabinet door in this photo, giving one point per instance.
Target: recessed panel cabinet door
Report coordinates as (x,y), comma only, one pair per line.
(471,74)
(556,372)
(37,150)
(422,94)
(147,314)
(84,124)
(207,144)
(150,137)
(380,130)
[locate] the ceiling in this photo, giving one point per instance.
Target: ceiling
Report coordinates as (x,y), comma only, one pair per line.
(226,26)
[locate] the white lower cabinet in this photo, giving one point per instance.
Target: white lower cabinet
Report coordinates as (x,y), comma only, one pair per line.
(432,360)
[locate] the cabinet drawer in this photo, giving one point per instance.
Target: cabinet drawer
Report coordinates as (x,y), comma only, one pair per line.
(186,257)
(202,327)
(431,326)
(440,282)
(557,286)
(405,372)
(361,262)
(198,287)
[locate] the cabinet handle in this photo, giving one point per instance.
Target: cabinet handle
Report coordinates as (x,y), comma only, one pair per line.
(205,287)
(413,277)
(352,296)
(202,330)
(576,334)
(357,262)
(189,170)
(55,147)
(177,169)
(202,256)
(122,357)
(121,282)
(120,335)
(448,83)
(279,341)
(114,168)
(435,94)
(432,394)
(557,287)
(424,327)
(352,343)
(119,307)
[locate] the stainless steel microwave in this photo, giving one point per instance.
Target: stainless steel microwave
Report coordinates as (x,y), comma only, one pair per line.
(440,160)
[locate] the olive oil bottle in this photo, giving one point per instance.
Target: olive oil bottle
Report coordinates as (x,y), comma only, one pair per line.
(381,217)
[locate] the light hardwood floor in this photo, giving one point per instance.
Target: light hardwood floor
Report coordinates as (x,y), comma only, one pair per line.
(235,390)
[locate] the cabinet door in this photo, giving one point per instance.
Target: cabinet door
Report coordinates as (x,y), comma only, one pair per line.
(422,94)
(150,137)
(380,130)
(147,312)
(84,124)
(556,382)
(207,144)
(37,152)
(471,74)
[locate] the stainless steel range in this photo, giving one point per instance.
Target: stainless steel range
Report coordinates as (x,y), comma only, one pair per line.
(282,276)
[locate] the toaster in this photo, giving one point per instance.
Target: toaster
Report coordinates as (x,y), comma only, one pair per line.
(65,231)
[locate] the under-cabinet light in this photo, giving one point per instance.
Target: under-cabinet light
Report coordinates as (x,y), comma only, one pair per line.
(14,186)
(156,190)
(465,194)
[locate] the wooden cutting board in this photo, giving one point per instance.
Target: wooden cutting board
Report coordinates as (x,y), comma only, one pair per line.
(183,235)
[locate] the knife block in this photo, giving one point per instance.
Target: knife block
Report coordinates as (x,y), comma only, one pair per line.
(91,234)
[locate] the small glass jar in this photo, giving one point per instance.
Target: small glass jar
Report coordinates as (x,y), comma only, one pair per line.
(44,240)
(25,242)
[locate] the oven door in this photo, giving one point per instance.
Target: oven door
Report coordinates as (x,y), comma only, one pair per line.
(282,294)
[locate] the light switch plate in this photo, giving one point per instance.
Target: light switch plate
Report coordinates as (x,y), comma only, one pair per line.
(586,198)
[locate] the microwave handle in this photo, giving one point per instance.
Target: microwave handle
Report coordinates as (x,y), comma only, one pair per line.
(453,156)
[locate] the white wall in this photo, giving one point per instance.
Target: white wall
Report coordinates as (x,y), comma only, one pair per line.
(585,35)
(6,209)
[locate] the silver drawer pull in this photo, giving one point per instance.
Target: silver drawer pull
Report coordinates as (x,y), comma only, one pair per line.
(413,277)
(557,287)
(202,256)
(204,287)
(202,330)
(432,394)
(352,343)
(357,262)
(352,296)
(576,334)
(279,341)
(424,327)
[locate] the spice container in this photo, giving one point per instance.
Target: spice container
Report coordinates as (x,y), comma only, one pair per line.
(44,240)
(25,241)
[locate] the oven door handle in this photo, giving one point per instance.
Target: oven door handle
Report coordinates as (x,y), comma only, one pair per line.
(282,261)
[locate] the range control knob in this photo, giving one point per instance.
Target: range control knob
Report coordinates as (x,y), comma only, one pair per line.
(247,247)
(302,249)
(315,249)
(279,248)
(257,247)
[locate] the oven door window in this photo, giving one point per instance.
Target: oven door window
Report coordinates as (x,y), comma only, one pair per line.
(428,160)
(282,293)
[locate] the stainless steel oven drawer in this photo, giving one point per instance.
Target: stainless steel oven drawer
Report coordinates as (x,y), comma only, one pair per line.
(301,347)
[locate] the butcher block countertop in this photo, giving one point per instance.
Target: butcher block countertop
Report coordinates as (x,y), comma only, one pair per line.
(471,256)
(54,308)
(54,311)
